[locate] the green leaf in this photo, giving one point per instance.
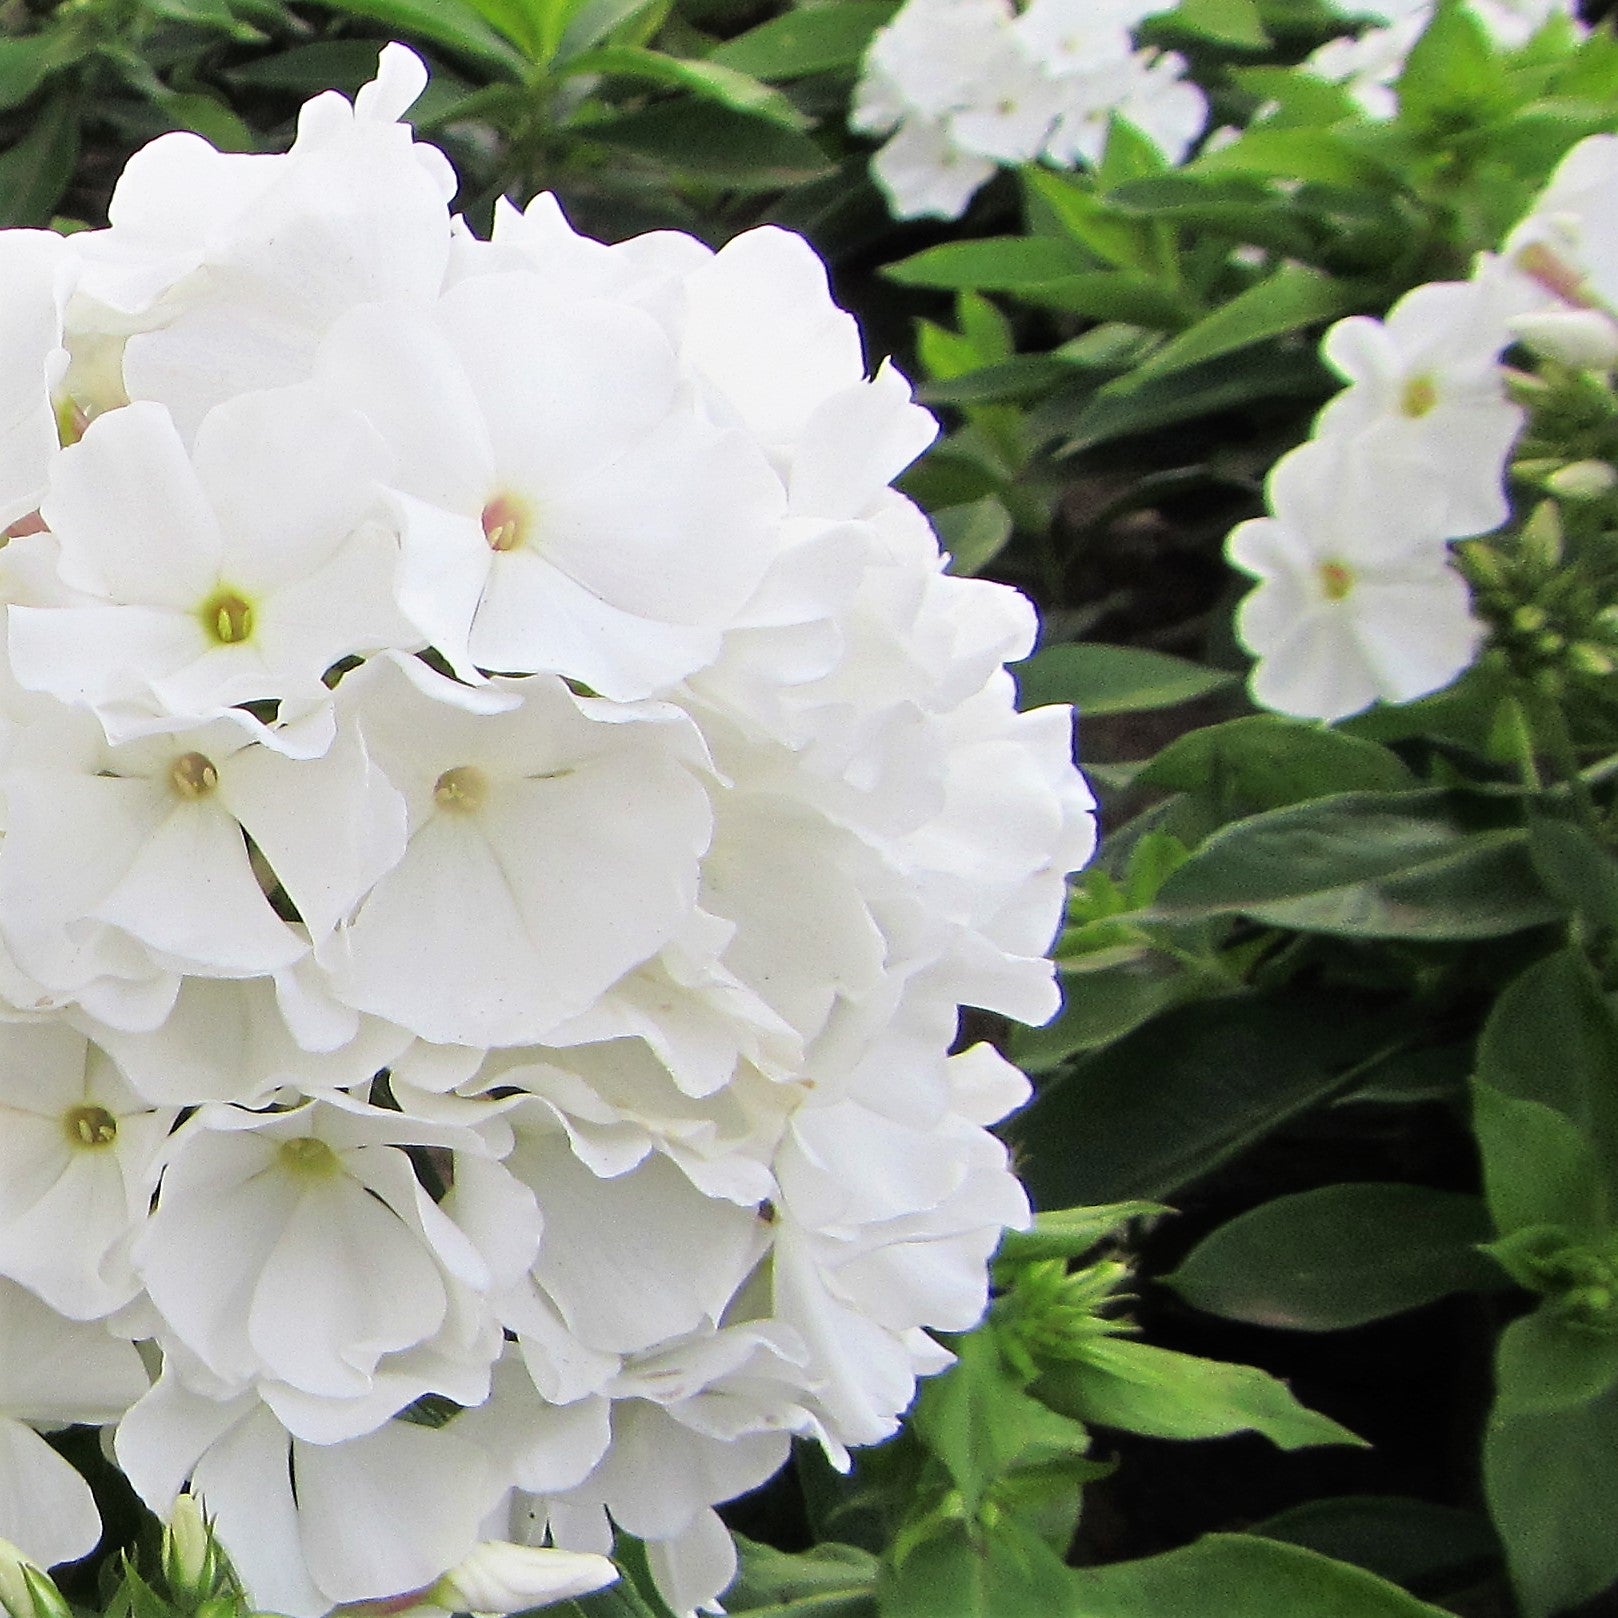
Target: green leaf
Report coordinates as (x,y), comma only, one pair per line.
(1553,1038)
(710,80)
(829,1581)
(25,63)
(1339,1256)
(1122,295)
(1010,1573)
(1288,299)
(1094,223)
(592,21)
(973,534)
(1191,1088)
(1104,1006)
(1414,865)
(1266,762)
(1452,70)
(817,39)
(450,23)
(1551,1478)
(1100,679)
(1129,405)
(713,143)
(1239,206)
(1577,869)
(1394,1537)
(989,264)
(1226,22)
(1538,1168)
(1164,1394)
(35,172)
(1235,1576)
(1021,377)
(1071,1232)
(979,1420)
(1544,1362)
(1321,156)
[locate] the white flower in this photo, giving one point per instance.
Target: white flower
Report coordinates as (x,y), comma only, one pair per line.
(1427,385)
(1357,600)
(78,1152)
(53,1372)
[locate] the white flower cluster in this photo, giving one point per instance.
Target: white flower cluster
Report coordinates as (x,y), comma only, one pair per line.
(963,86)
(1358,600)
(502,807)
(1369,64)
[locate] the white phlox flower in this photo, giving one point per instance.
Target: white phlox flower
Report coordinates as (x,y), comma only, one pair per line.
(501,807)
(1426,381)
(1357,599)
(962,87)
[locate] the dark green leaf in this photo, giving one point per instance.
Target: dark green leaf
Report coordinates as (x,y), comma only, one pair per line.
(450,23)
(1553,1038)
(1288,299)
(1266,762)
(974,534)
(1339,1256)
(1113,679)
(1242,207)
(24,64)
(1545,1362)
(1010,1573)
(1122,295)
(1128,405)
(1141,1388)
(1234,1576)
(829,1581)
(990,264)
(1071,1232)
(1185,1092)
(1394,1537)
(1021,377)
(1367,865)
(813,40)
(713,143)
(1552,1482)
(35,172)
(592,21)
(1538,1168)
(710,80)
(1100,1008)
(1577,869)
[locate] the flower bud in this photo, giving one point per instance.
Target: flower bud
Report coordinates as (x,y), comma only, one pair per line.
(1588,658)
(192,1561)
(1540,541)
(499,1577)
(1584,339)
(1582,480)
(26,1589)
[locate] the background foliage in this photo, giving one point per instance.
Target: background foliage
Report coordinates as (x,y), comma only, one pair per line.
(1334,1099)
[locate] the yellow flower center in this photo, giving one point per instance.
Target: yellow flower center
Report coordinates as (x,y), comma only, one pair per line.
(227,615)
(462,789)
(1419,396)
(1335,580)
(89,1128)
(193,775)
(507,522)
(306,1156)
